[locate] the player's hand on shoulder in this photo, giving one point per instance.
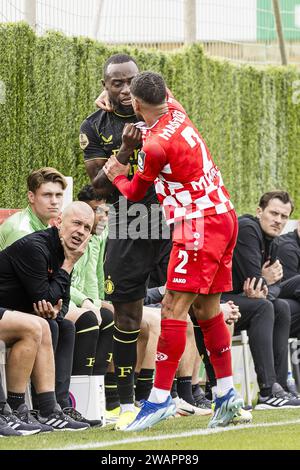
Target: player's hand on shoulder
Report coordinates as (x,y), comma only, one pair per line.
(132,136)
(103,102)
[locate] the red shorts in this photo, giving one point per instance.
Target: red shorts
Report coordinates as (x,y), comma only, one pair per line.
(202,262)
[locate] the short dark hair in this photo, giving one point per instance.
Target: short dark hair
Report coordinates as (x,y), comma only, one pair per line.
(283,196)
(149,87)
(43,175)
(87,193)
(117,59)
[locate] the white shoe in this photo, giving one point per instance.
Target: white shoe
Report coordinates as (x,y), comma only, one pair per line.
(183,408)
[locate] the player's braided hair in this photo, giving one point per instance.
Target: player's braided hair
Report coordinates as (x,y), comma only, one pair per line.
(149,87)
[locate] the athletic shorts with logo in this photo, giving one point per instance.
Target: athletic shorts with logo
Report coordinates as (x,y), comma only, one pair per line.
(128,263)
(201,256)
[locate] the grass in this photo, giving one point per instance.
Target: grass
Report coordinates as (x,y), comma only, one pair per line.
(190,433)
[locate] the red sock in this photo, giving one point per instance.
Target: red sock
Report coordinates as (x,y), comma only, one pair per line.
(170,348)
(218,344)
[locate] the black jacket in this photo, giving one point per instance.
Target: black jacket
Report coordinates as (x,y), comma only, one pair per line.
(253,249)
(30,270)
(289,254)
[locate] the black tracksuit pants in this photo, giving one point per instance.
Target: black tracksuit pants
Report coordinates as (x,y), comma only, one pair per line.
(268,327)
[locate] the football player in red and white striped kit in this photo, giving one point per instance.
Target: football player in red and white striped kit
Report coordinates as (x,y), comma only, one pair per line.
(190,188)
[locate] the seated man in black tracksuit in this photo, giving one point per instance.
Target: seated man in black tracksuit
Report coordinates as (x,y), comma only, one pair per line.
(35,277)
(256,278)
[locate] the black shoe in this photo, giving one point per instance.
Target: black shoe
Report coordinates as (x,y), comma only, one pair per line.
(277,400)
(29,417)
(6,430)
(59,421)
(200,399)
(74,414)
(14,421)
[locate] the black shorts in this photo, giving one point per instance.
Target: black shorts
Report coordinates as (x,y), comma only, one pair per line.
(2,310)
(127,266)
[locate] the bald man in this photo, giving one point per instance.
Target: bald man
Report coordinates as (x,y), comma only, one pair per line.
(35,279)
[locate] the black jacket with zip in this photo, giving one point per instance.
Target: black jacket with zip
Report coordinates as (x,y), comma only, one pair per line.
(30,270)
(252,250)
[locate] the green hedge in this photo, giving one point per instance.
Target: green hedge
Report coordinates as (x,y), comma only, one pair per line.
(246,114)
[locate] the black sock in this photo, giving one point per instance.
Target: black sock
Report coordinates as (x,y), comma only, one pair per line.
(124,354)
(173,392)
(47,402)
(87,332)
(184,389)
(104,344)
(111,391)
(197,390)
(15,399)
(265,392)
(144,384)
(64,360)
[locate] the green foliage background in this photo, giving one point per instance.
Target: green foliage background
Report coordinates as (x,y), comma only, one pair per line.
(246,114)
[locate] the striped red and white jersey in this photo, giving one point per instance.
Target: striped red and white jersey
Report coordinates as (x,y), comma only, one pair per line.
(189,184)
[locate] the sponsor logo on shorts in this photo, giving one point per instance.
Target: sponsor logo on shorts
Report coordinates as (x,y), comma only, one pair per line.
(179,280)
(161,356)
(109,286)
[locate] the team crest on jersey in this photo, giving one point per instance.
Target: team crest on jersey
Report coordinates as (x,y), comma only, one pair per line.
(109,286)
(141,160)
(83,141)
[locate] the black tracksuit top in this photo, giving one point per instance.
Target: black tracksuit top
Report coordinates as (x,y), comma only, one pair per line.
(252,250)
(30,270)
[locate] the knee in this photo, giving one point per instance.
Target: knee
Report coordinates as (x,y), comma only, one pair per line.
(127,320)
(46,333)
(265,310)
(86,320)
(107,317)
(66,325)
(144,331)
(34,330)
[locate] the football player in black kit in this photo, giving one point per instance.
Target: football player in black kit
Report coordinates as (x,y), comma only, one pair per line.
(129,259)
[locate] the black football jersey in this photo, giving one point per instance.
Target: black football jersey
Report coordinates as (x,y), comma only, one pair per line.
(101,137)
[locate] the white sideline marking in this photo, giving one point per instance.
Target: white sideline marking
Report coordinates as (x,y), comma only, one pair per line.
(199,432)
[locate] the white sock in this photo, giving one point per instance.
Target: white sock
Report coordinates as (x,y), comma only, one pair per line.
(224,385)
(126,407)
(158,395)
(214,392)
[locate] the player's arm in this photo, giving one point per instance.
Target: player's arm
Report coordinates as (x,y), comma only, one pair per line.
(153,159)
(95,157)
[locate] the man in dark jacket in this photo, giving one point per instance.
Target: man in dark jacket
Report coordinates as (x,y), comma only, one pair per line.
(256,278)
(35,275)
